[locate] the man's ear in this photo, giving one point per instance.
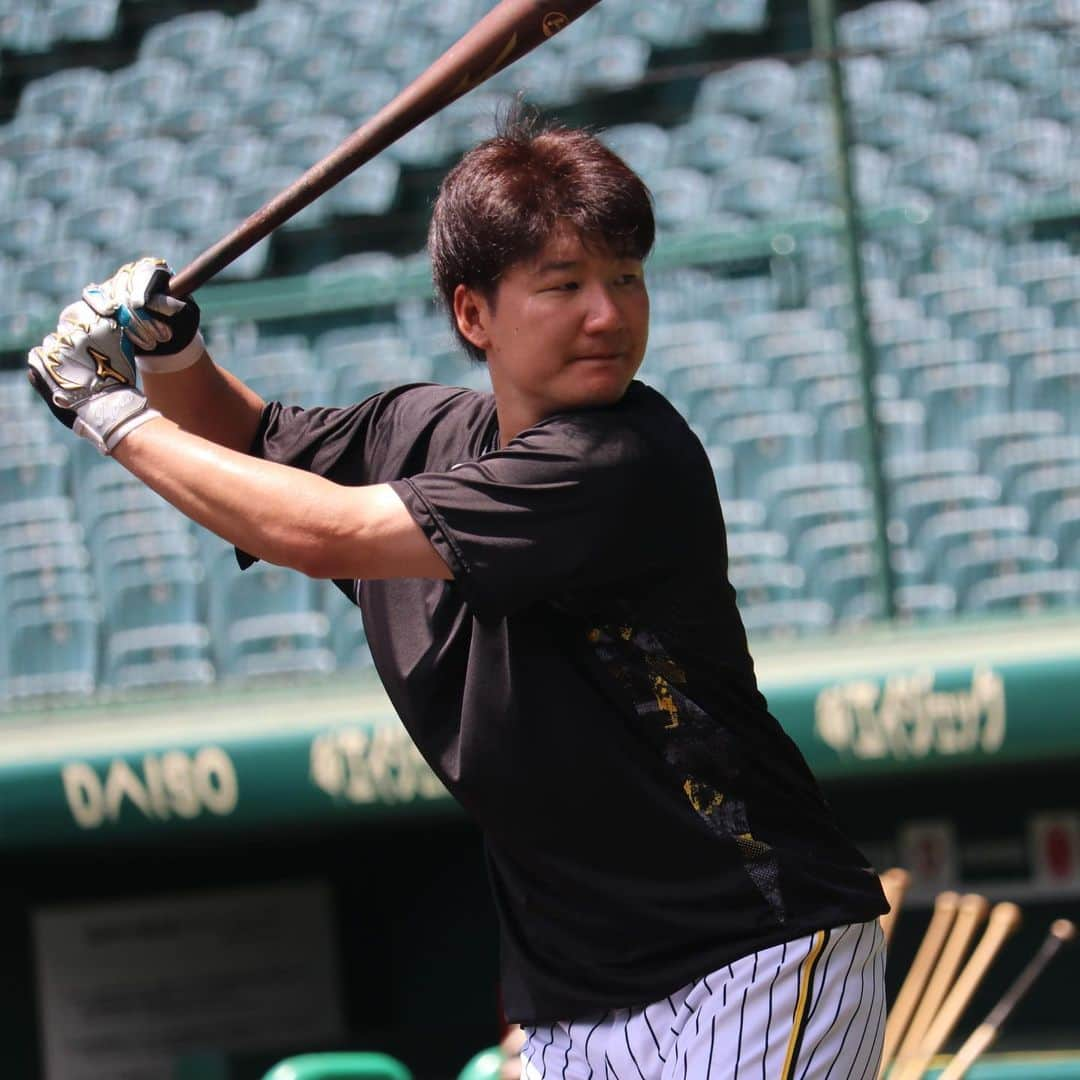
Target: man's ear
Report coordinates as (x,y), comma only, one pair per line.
(472,313)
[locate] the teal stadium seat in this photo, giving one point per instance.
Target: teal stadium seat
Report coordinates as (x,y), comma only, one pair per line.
(985,559)
(58,278)
(735,16)
(1011,462)
(52,650)
(932,71)
(955,394)
(195,208)
(1026,591)
(912,503)
(863,76)
(942,164)
(712,142)
(193,116)
(144,166)
(33,577)
(969,18)
(979,108)
(946,531)
(1030,59)
(59,175)
(188,37)
(668,24)
(801,133)
(235,76)
(787,618)
(609,63)
(150,78)
(106,216)
(1031,149)
(757,187)
(768,441)
(1061,523)
(23,30)
(886,25)
(24,136)
(34,471)
(893,120)
(645,147)
(71,94)
(766,581)
(987,434)
(753,88)
(280,29)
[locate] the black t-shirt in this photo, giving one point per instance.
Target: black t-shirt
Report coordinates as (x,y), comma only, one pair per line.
(583,687)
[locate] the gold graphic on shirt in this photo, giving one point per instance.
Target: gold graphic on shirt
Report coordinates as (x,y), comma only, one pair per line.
(697,793)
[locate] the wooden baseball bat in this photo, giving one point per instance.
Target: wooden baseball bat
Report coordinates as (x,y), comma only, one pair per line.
(918,974)
(1061,931)
(506,33)
(970,913)
(895,882)
(1003,922)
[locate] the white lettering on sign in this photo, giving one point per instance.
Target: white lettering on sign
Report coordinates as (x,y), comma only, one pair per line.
(909,718)
(171,784)
(372,765)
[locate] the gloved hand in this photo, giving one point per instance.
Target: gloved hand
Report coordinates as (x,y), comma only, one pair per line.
(163,330)
(86,374)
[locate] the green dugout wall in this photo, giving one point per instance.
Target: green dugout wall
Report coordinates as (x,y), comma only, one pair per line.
(954,747)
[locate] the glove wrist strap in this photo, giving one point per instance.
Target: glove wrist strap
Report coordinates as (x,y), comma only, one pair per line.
(158,363)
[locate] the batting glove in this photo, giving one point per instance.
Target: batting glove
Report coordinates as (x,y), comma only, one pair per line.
(86,374)
(164,330)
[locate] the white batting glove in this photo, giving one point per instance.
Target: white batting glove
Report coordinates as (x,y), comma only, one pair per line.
(86,374)
(163,330)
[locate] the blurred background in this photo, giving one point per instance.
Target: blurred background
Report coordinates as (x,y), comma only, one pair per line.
(864,210)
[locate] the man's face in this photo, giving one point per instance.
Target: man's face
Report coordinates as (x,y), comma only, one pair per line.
(567,330)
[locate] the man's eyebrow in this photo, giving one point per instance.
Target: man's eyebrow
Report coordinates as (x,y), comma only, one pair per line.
(562,264)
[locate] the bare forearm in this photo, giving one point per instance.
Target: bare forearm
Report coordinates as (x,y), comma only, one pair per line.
(207,401)
(283,515)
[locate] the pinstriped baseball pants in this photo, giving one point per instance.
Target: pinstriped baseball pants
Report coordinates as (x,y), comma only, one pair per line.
(810,1009)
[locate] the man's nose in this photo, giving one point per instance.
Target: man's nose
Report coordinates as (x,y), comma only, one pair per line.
(603,313)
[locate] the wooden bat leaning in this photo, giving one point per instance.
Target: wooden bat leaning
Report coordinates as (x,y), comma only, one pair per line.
(971,912)
(895,882)
(918,974)
(506,33)
(1004,920)
(1061,931)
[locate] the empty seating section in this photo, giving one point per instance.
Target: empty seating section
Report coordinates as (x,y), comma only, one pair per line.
(963,117)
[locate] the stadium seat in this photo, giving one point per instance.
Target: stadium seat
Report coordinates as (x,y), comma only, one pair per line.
(754,89)
(28,135)
(956,394)
(34,471)
(372,189)
(1012,461)
(52,650)
(1026,591)
(863,76)
(609,63)
(989,433)
(978,109)
(786,618)
(907,360)
(913,503)
(757,545)
(887,24)
(194,116)
(1030,59)
(765,581)
(279,29)
(24,30)
(107,216)
(59,278)
(71,94)
(802,132)
(893,120)
(1033,150)
(799,512)
(1048,14)
(153,590)
(945,530)
(144,166)
(713,142)
(968,18)
(59,175)
(1044,487)
(765,442)
(157,78)
(987,558)
(713,410)
(1061,523)
(189,37)
(34,577)
(192,209)
(645,147)
(931,71)
(667,24)
(940,164)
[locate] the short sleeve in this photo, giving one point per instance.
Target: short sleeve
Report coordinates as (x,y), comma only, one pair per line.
(572,503)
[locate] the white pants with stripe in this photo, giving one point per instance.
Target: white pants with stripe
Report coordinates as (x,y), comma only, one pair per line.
(810,1009)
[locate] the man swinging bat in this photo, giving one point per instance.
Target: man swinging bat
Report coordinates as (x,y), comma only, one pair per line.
(542,572)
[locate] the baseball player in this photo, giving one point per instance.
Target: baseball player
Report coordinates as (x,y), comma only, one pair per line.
(542,572)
